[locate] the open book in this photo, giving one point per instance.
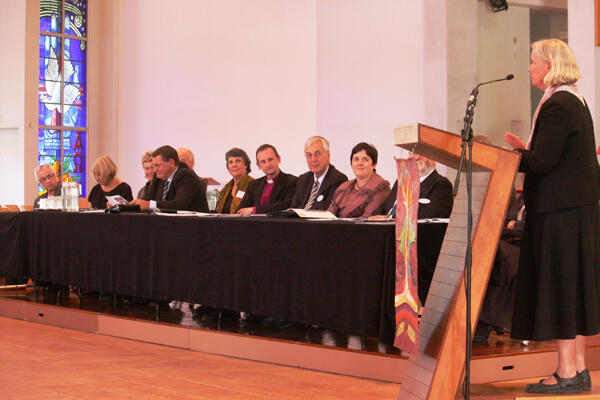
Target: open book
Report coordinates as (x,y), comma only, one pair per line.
(301,213)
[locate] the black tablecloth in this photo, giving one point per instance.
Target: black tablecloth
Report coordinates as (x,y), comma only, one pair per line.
(336,274)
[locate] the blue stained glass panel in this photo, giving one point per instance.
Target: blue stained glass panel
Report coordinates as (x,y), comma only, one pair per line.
(74,158)
(48,113)
(75,116)
(75,50)
(76,17)
(80,69)
(50,16)
(44,49)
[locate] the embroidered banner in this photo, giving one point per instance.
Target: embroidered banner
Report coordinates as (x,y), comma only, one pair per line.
(406,300)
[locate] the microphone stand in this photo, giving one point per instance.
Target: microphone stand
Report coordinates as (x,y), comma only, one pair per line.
(467,142)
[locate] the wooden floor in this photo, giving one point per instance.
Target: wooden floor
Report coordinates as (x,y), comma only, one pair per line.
(44,362)
(47,362)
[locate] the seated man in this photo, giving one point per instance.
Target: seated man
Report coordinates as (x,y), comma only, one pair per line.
(186,156)
(175,186)
(46,177)
(435,193)
(315,188)
(272,192)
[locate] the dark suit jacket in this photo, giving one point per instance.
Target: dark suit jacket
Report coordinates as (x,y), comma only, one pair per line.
(333,179)
(561,169)
(436,188)
(187,191)
(281,196)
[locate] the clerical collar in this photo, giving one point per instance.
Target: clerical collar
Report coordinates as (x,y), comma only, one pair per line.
(271,181)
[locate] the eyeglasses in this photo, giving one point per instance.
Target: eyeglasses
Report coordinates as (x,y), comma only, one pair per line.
(47,177)
(155,165)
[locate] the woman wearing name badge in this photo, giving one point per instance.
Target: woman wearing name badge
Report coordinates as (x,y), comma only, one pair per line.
(230,197)
(558,282)
(362,196)
(105,171)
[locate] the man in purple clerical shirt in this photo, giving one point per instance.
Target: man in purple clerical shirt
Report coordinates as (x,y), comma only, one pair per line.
(272,192)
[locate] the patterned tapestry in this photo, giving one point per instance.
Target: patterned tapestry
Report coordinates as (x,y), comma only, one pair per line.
(406,300)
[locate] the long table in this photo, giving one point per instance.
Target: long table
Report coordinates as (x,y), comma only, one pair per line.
(335,274)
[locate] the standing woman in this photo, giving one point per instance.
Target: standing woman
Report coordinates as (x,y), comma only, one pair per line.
(105,173)
(238,165)
(558,283)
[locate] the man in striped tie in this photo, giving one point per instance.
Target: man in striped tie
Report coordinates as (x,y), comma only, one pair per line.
(315,188)
(175,186)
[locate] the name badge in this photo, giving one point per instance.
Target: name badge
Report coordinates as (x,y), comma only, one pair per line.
(424,201)
(240,194)
(320,197)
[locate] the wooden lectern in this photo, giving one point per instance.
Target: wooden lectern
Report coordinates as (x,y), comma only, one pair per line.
(436,371)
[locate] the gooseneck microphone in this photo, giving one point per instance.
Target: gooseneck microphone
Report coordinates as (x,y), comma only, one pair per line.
(475,91)
(467,142)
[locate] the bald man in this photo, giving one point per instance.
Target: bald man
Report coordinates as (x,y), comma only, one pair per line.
(186,156)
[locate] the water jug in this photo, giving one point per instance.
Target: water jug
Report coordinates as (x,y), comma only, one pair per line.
(70,195)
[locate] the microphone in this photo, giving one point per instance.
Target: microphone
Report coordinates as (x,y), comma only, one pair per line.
(476,89)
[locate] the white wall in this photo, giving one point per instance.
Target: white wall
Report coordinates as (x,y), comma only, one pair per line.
(581,40)
(12,81)
(370,71)
(217,75)
(503,49)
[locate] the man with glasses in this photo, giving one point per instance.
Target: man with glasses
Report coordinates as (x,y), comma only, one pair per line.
(315,188)
(45,176)
(175,186)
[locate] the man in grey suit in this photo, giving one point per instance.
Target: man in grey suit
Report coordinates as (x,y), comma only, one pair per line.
(46,177)
(315,188)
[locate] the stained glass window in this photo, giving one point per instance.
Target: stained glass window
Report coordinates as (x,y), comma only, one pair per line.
(62,77)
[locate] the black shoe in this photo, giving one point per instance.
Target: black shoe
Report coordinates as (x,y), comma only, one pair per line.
(482,332)
(203,310)
(586,379)
(563,386)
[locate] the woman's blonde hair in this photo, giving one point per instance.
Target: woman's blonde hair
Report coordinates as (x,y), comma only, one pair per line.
(106,168)
(147,157)
(563,66)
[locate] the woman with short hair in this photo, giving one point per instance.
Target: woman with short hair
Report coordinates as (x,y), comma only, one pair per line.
(362,196)
(230,197)
(144,192)
(105,173)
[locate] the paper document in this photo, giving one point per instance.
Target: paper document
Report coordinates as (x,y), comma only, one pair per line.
(116,199)
(313,214)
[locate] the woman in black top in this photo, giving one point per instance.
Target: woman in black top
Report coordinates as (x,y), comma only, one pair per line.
(558,283)
(105,171)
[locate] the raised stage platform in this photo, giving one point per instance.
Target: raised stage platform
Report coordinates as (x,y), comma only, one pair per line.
(310,347)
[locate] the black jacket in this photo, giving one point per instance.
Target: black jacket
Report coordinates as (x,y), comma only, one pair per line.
(333,179)
(186,192)
(281,196)
(561,169)
(436,188)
